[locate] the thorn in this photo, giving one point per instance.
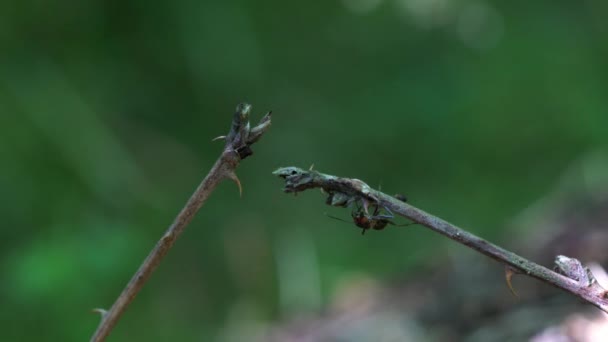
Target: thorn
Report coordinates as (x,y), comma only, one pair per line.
(509,272)
(235,179)
(100,311)
(221,137)
(311,167)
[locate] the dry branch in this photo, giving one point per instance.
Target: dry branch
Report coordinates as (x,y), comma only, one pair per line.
(574,278)
(238,147)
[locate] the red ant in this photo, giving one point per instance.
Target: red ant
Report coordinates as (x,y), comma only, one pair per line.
(376,221)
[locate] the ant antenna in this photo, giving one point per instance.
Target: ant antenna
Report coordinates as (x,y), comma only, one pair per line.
(336,218)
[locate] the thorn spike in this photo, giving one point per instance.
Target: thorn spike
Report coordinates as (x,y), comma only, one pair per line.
(221,137)
(509,272)
(101,312)
(235,179)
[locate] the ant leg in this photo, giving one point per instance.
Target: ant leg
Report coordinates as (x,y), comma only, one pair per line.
(376,210)
(377,216)
(356,210)
(357,203)
(365,206)
(390,213)
(351,200)
(381,217)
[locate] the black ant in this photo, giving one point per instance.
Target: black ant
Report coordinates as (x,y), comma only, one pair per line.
(376,221)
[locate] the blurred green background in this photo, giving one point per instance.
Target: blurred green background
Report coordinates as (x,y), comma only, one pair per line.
(473,109)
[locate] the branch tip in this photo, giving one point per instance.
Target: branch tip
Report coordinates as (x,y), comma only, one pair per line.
(241,135)
(256,132)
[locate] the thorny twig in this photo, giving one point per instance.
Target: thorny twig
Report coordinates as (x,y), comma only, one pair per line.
(238,147)
(572,276)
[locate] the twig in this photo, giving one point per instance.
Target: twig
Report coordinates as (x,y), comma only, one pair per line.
(238,147)
(574,278)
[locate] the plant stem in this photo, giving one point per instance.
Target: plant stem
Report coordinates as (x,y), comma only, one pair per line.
(238,142)
(578,281)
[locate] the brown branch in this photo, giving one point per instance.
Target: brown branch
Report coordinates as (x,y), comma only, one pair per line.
(574,278)
(238,147)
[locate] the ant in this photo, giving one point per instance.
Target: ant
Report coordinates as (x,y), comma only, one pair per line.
(376,221)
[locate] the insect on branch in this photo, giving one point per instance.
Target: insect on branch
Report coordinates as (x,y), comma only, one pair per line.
(572,277)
